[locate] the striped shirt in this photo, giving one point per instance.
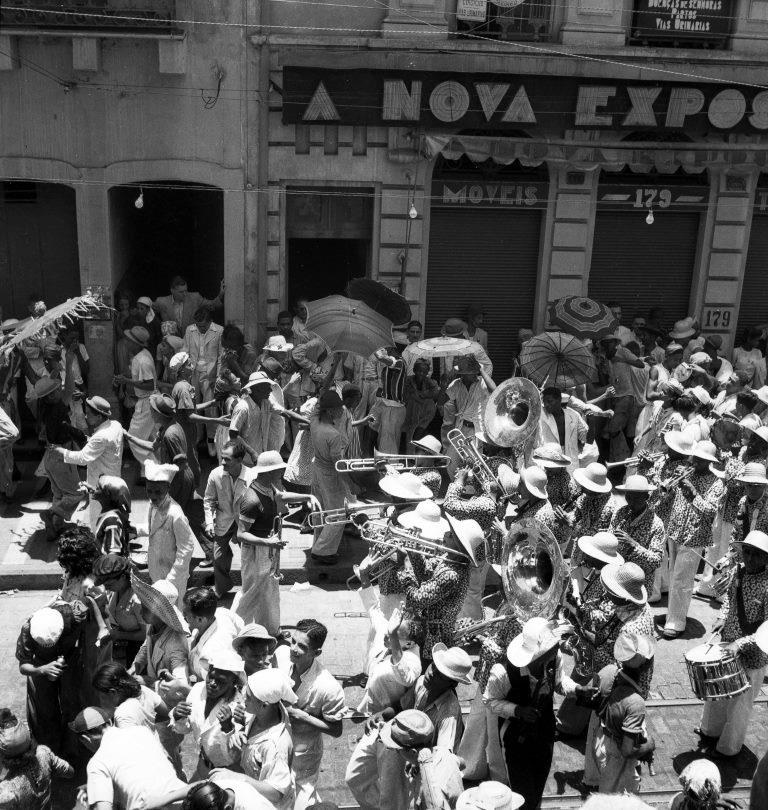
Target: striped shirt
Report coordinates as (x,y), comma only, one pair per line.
(393,382)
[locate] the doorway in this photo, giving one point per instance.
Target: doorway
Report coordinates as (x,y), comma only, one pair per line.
(320,267)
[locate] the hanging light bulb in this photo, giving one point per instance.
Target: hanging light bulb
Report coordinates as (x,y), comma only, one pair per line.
(412,212)
(139,202)
(649,218)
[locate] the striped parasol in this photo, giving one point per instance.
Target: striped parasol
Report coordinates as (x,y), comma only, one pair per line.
(582,317)
(554,358)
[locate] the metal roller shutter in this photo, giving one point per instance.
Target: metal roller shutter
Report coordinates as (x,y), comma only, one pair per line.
(484,257)
(753,309)
(644,266)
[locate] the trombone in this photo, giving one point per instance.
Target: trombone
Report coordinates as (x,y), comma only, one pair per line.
(392,461)
(633,460)
(470,456)
(332,517)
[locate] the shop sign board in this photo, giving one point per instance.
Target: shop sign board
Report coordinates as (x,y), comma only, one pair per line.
(471,193)
(682,19)
(471,10)
(620,196)
(545,104)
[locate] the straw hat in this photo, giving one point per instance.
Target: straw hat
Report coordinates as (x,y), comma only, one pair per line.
(537,638)
(753,473)
(706,451)
(629,644)
(550,456)
(469,534)
(683,329)
(161,598)
(453,662)
(429,443)
(408,729)
(405,485)
(490,796)
(593,477)
(257,378)
(535,480)
(277,343)
(508,478)
(602,546)
(427,516)
(271,686)
(139,335)
(162,404)
(625,581)
(761,637)
(99,405)
(680,441)
(46,626)
(756,539)
(159,472)
(45,386)
(254,631)
(268,461)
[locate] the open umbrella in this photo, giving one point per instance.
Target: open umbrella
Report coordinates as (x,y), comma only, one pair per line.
(347,325)
(442,347)
(582,317)
(554,358)
(380,298)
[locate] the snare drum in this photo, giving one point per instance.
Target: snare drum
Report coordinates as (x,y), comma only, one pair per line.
(715,673)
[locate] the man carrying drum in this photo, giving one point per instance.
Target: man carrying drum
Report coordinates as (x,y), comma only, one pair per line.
(745,608)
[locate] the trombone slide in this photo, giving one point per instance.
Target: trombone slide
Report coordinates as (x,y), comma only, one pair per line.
(392,462)
(631,460)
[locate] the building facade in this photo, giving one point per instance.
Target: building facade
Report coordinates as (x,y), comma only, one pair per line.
(467,152)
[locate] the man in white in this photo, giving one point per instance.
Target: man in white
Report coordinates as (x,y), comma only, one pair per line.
(563,426)
(103,452)
(319,709)
(143,381)
(221,506)
(202,342)
(257,417)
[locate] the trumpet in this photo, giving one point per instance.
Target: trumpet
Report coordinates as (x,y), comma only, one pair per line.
(391,461)
(470,456)
(671,482)
(332,517)
(633,460)
(409,540)
(381,564)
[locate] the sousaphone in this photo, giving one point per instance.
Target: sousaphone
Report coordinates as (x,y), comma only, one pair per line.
(512,412)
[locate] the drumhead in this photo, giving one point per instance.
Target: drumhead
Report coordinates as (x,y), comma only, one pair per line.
(705,653)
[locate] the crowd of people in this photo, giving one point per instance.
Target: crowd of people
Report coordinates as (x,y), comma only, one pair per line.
(128,660)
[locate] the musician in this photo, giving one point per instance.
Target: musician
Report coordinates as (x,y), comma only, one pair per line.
(533,501)
(689,532)
(520,693)
(755,451)
(468,498)
(724,722)
(592,505)
(560,489)
(435,588)
(638,528)
(563,427)
(656,395)
(429,475)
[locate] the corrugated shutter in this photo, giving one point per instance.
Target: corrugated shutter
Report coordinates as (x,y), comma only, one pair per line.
(489,258)
(644,266)
(753,309)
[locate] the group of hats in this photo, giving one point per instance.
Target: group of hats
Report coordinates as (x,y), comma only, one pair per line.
(428,518)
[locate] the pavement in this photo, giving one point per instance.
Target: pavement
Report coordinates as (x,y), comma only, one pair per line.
(29,576)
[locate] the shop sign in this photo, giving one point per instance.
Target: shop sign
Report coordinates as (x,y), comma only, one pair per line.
(682,19)
(471,10)
(88,14)
(500,101)
(620,196)
(502,194)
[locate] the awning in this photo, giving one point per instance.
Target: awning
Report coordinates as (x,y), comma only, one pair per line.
(611,156)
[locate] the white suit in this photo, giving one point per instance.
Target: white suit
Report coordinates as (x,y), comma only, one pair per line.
(575,434)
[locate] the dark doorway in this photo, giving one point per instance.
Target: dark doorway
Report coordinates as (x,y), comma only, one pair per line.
(179,230)
(38,245)
(321,267)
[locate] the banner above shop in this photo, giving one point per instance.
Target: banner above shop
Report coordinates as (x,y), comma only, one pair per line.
(540,104)
(682,19)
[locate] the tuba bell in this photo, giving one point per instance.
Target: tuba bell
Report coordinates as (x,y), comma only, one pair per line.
(512,412)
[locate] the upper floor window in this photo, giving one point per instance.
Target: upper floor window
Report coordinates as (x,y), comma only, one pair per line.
(505,19)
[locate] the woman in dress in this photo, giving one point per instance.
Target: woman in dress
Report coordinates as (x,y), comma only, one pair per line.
(747,357)
(421,392)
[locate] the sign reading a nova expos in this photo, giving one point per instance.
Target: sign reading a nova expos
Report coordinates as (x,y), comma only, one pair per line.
(499,101)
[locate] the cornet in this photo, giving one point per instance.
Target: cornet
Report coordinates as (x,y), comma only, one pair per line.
(470,456)
(332,517)
(393,462)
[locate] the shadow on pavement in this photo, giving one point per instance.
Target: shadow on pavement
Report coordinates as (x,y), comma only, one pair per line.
(731,770)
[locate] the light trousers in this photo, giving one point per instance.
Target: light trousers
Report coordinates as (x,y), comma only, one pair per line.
(306,788)
(721,534)
(683,564)
(480,746)
(391,419)
(143,427)
(660,577)
(729,719)
(617,773)
(472,607)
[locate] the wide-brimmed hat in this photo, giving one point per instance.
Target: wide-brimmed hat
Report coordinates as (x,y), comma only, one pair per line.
(429,443)
(161,598)
(453,327)
(681,441)
(630,644)
(271,686)
(99,405)
(268,461)
(636,483)
(469,534)
(159,472)
(550,456)
(15,740)
(706,451)
(45,386)
(139,335)
(277,343)
(405,485)
(410,728)
(535,480)
(683,329)
(254,631)
(761,393)
(90,718)
(428,517)
(756,539)
(762,433)
(46,626)
(625,581)
(508,478)
(537,638)
(593,477)
(257,378)
(490,796)
(751,422)
(602,546)
(753,473)
(162,404)
(453,662)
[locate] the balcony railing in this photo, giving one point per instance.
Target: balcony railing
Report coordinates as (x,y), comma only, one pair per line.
(96,15)
(528,21)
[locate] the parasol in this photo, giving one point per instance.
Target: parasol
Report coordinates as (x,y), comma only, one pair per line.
(554,358)
(347,325)
(380,298)
(83,306)
(442,347)
(582,317)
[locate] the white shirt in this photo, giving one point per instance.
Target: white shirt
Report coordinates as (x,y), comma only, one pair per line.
(102,454)
(219,635)
(128,711)
(465,403)
(130,767)
(575,434)
(387,681)
(143,370)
